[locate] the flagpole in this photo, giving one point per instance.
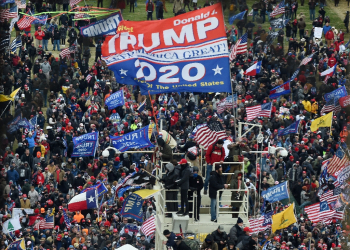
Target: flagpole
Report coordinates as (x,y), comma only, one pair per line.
(5,108)
(233,110)
(330,128)
(154,115)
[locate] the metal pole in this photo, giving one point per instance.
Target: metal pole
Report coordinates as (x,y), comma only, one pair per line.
(5,108)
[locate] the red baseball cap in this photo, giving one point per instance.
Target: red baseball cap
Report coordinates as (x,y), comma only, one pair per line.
(183,161)
(247,229)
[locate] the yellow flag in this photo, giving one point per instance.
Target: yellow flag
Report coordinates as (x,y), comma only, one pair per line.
(283,219)
(64,89)
(323,121)
(11,97)
(146,193)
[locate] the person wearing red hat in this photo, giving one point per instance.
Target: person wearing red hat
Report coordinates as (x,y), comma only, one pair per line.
(183,183)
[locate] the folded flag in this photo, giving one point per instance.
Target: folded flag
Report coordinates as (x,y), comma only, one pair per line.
(259,110)
(87,200)
(254,69)
(291,129)
(283,89)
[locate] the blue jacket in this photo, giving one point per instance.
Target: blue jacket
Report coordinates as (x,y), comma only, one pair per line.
(171,241)
(12,175)
(325,29)
(31,141)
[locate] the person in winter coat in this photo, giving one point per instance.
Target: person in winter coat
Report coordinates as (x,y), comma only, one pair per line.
(63,34)
(171,239)
(220,237)
(165,151)
(215,153)
(196,185)
(209,243)
(12,175)
(72,34)
(237,183)
(169,179)
(24,173)
(39,35)
(329,36)
(215,183)
(56,39)
(236,231)
(180,244)
(183,183)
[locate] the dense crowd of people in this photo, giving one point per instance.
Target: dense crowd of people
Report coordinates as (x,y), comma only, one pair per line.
(38,172)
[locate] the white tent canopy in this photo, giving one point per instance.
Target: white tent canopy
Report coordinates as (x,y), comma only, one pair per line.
(127,247)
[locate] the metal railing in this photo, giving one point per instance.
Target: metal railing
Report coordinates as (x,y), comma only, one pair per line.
(244,202)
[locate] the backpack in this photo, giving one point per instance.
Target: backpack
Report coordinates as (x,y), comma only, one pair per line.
(193,244)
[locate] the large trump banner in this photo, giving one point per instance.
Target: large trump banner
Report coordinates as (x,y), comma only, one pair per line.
(184,53)
(85,145)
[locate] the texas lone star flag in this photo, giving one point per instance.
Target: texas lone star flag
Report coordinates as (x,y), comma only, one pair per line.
(87,200)
(184,53)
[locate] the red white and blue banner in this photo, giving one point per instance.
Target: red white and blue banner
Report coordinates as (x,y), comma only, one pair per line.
(329,72)
(106,26)
(283,89)
(87,200)
(115,100)
(136,139)
(85,145)
(132,207)
(254,69)
(188,52)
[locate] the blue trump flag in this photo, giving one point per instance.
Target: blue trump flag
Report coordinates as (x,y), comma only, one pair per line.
(291,129)
(136,139)
(106,26)
(132,207)
(40,20)
(115,100)
(101,189)
(115,117)
(2,4)
(85,145)
(280,90)
(336,95)
(24,123)
(12,126)
(267,219)
(238,16)
(276,193)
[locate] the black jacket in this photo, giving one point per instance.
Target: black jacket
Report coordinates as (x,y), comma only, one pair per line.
(219,237)
(183,246)
(215,183)
(184,177)
(196,183)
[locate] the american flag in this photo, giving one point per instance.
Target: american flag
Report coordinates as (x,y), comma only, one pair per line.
(47,223)
(330,105)
(226,103)
(306,60)
(240,47)
(88,78)
(8,13)
(66,219)
(74,2)
(320,212)
(208,134)
(81,16)
(256,225)
(278,10)
(330,196)
(25,22)
(67,51)
(149,226)
(21,4)
(259,110)
(338,161)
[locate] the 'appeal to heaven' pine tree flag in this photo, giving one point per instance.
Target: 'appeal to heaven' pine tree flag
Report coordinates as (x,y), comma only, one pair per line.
(283,219)
(323,121)
(11,225)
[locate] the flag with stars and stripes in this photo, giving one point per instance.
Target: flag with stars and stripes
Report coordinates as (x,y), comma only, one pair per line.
(149,226)
(21,4)
(259,110)
(67,51)
(320,212)
(207,134)
(8,13)
(74,2)
(66,220)
(88,78)
(279,9)
(47,223)
(25,22)
(16,43)
(306,60)
(338,161)
(240,47)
